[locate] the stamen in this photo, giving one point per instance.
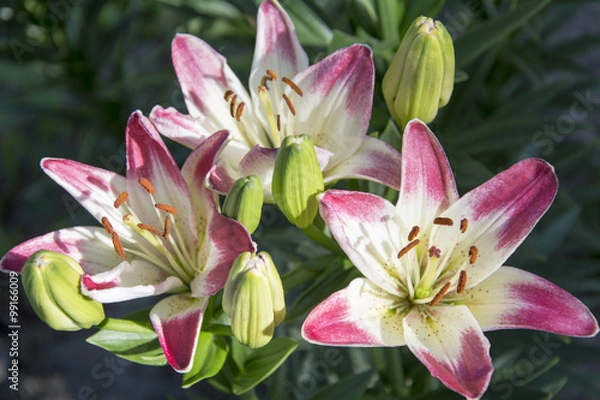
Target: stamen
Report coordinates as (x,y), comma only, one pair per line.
(228,95)
(473,253)
(118,246)
(107,225)
(150,229)
(440,294)
(443,221)
(239,110)
(272,74)
(146,184)
(292,85)
(166,207)
(289,104)
(413,233)
(462,282)
(434,251)
(279,122)
(122,198)
(408,248)
(167,227)
(464,224)
(232,105)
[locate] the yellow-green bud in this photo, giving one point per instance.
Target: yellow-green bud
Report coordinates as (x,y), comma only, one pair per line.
(421,77)
(253,299)
(51,282)
(244,202)
(297,180)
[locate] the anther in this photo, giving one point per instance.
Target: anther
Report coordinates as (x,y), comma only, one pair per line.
(107,225)
(146,184)
(228,95)
(272,74)
(440,294)
(464,224)
(118,246)
(279,122)
(167,227)
(473,253)
(166,207)
(122,198)
(434,252)
(443,221)
(232,105)
(462,282)
(408,248)
(263,81)
(239,110)
(413,233)
(150,229)
(292,85)
(289,104)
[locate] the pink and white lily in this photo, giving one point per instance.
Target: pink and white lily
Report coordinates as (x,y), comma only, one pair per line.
(330,101)
(432,266)
(161,234)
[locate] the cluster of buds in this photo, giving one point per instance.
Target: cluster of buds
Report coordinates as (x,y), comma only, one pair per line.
(253,299)
(51,282)
(420,79)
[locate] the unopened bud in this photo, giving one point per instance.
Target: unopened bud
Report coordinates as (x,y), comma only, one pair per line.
(420,79)
(253,298)
(297,180)
(51,282)
(244,202)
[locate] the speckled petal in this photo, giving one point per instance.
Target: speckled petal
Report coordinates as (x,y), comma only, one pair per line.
(360,315)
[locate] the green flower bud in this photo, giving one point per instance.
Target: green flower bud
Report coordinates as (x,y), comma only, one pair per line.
(421,77)
(244,202)
(51,282)
(297,180)
(253,298)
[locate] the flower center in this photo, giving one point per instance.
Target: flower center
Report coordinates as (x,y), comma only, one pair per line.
(280,114)
(430,272)
(163,247)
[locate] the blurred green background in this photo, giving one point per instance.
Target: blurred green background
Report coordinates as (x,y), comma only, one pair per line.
(71,72)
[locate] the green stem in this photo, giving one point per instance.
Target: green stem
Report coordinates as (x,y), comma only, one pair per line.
(321,238)
(394,364)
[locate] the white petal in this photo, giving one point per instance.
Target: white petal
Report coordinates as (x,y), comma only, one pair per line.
(129,281)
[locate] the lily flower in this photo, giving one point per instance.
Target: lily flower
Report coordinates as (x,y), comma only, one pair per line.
(161,233)
(330,101)
(434,279)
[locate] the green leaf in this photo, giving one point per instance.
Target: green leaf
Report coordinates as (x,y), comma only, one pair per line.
(312,31)
(349,388)
(263,362)
(477,40)
(307,271)
(209,358)
(131,339)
